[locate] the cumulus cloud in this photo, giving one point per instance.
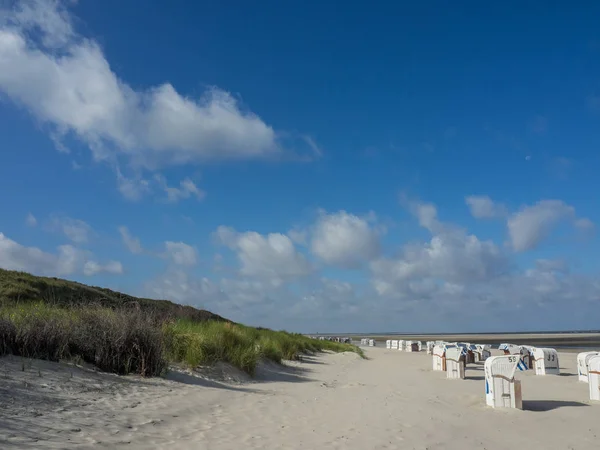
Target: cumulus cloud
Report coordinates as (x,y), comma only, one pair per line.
(330,299)
(65,80)
(112,267)
(181,253)
(299,236)
(551,265)
(483,207)
(271,257)
(426,213)
(528,227)
(249,301)
(187,188)
(584,224)
(179,286)
(447,283)
(344,239)
(67,260)
(75,230)
(132,243)
(132,188)
(451,256)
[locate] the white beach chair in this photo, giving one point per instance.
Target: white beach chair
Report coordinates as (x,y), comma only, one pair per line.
(583,360)
(510,349)
(482,353)
(372,343)
(527,357)
(594,377)
(455,363)
(401,345)
(546,361)
(430,345)
(439,358)
(388,344)
(501,388)
(395,344)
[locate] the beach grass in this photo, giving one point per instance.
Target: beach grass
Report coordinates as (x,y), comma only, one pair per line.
(241,346)
(19,287)
(112,340)
(129,339)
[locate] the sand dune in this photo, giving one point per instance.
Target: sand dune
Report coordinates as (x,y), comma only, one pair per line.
(331,401)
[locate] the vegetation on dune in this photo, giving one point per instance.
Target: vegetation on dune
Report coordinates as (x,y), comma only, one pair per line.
(52,319)
(114,341)
(242,346)
(19,287)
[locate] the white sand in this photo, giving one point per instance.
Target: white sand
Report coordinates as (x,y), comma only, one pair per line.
(332,401)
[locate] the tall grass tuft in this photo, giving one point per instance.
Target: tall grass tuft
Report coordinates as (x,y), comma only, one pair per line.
(112,341)
(208,342)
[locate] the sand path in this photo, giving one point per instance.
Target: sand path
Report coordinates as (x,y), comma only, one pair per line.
(331,401)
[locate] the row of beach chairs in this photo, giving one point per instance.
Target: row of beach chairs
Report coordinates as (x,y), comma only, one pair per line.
(404,346)
(501,388)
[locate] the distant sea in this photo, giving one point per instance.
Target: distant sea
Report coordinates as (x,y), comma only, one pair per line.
(395,333)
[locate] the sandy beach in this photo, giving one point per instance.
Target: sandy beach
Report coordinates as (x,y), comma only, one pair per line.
(391,401)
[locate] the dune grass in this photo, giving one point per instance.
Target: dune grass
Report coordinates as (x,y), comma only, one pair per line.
(21,287)
(243,347)
(113,341)
(127,341)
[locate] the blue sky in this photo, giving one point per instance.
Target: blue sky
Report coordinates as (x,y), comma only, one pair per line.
(300,165)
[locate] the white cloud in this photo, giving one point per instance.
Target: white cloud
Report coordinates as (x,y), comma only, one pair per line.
(65,81)
(181,253)
(112,267)
(483,207)
(584,224)
(532,224)
(552,265)
(450,282)
(187,188)
(452,256)
(75,230)
(241,300)
(48,16)
(344,239)
(298,236)
(426,213)
(179,286)
(332,299)
(271,257)
(130,241)
(30,220)
(67,260)
(132,189)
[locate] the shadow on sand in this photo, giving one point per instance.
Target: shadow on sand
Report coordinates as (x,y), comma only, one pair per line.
(308,359)
(474,377)
(548,405)
(269,372)
(192,380)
